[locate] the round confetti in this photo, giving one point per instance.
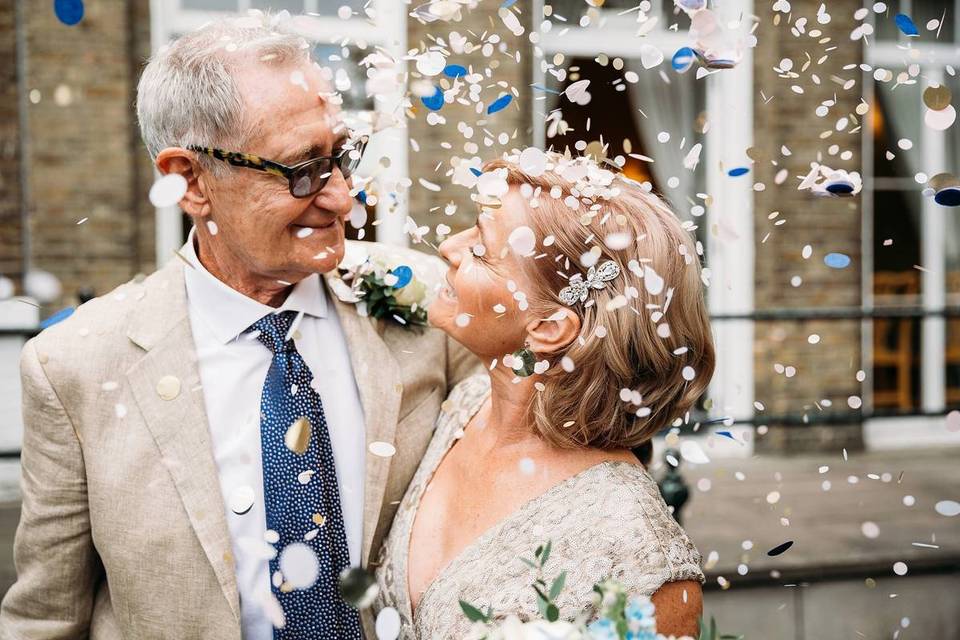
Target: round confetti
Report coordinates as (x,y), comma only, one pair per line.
(382,449)
(738,171)
(906,25)
(780,548)
(299,565)
(69,12)
(953,421)
(948,197)
(168,387)
(388,624)
(168,190)
(527,466)
(836,260)
(900,568)
(909,501)
(948,508)
(941,120)
(522,241)
(683,59)
(431,63)
(454,71)
(241,499)
(937,97)
(533,161)
(870,529)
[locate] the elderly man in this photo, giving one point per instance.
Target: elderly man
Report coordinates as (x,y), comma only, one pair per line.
(207,449)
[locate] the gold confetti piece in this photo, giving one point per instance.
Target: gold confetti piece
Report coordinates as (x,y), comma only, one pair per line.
(319,519)
(937,97)
(168,387)
(297,437)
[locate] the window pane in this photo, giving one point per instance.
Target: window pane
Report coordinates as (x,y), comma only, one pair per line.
(645,110)
(923,11)
(210,5)
(896,341)
(898,115)
(293,6)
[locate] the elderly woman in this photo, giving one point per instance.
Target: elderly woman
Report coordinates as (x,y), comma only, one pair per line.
(599,359)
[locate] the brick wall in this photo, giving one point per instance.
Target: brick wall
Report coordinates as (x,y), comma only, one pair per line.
(432,161)
(827,369)
(84,158)
(11,229)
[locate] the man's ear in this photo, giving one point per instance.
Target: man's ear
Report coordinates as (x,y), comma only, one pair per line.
(195,202)
(550,335)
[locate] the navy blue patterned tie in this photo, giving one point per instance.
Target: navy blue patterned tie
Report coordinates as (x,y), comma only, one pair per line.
(303,508)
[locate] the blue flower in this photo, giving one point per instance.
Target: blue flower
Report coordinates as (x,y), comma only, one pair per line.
(602,629)
(641,622)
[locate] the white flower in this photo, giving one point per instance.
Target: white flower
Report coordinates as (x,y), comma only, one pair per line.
(413,293)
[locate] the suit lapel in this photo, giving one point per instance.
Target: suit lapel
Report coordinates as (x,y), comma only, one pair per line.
(378,380)
(179,424)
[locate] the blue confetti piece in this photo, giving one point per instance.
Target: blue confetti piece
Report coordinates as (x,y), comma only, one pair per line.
(507,4)
(69,12)
(434,102)
(836,260)
(726,434)
(404,276)
(906,25)
(683,59)
(948,197)
(500,103)
(59,316)
(476,171)
(540,87)
(738,171)
(455,70)
(362,196)
(840,187)
(780,548)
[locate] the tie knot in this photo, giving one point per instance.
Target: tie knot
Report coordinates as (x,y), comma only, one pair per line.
(273,329)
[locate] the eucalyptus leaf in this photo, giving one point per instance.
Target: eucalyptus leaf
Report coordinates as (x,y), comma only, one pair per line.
(557,586)
(473,614)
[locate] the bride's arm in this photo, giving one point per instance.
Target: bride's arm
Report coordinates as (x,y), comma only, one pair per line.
(678,614)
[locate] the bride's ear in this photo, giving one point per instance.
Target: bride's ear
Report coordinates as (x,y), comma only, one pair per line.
(552,334)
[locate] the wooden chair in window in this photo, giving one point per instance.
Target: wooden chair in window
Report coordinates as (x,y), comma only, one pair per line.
(953,337)
(893,337)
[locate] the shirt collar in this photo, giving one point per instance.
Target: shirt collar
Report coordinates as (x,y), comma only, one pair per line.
(227,312)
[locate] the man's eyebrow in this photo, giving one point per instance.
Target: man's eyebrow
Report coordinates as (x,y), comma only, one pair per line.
(314,151)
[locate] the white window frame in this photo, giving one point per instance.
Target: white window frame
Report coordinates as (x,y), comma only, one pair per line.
(729,101)
(882,433)
(389,32)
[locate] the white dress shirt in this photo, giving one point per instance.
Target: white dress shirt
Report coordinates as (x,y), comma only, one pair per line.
(233,369)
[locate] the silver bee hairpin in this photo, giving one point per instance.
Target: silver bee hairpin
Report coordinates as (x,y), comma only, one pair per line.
(597,278)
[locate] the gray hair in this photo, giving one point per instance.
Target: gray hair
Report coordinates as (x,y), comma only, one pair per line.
(187,94)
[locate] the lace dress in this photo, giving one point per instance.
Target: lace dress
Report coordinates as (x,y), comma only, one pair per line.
(606,521)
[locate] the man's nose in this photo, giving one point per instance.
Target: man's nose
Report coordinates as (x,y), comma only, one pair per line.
(335,195)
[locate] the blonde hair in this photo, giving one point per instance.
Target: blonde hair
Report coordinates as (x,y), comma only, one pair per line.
(623,348)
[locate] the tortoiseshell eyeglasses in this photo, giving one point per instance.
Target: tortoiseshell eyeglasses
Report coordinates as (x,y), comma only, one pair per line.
(304,178)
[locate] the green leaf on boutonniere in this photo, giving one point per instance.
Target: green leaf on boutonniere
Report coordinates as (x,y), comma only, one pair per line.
(557,586)
(473,614)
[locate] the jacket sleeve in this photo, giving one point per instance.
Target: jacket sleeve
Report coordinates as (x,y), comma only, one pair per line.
(57,565)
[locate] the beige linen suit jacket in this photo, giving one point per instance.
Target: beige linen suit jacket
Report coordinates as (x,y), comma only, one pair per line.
(123,532)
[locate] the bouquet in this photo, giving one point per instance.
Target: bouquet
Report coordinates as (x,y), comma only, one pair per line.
(621,616)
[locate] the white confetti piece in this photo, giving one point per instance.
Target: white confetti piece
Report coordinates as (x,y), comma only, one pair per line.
(382,449)
(168,190)
(691,451)
(299,565)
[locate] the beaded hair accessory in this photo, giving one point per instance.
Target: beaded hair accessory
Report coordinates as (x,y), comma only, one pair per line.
(597,278)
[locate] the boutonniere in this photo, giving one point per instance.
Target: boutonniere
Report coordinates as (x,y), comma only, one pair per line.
(381,290)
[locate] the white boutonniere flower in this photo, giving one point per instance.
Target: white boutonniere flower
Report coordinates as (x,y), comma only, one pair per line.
(380,289)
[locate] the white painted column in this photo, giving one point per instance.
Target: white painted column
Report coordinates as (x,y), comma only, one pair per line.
(392,20)
(731,260)
(933,228)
